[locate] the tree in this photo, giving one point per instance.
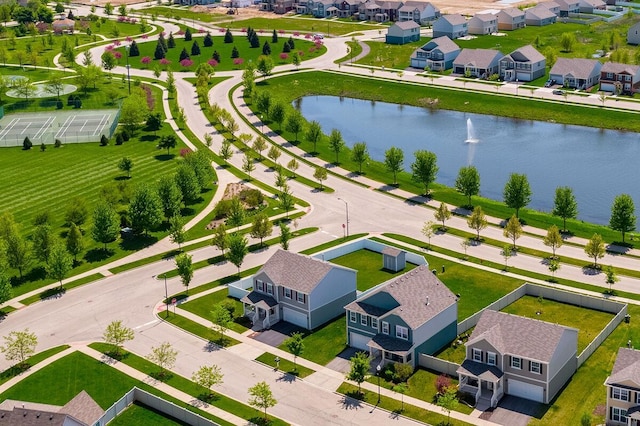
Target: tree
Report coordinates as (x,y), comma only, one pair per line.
(116,334)
(553,239)
(59,263)
(221,319)
(154,122)
(75,242)
(220,238)
(517,192)
(393,159)
(167,142)
(513,230)
(442,214)
(567,41)
(266,48)
(359,368)
(164,356)
(188,184)
(277,114)
(195,48)
(401,388)
(177,233)
(145,209)
(18,252)
(170,196)
(237,249)
(314,133)
(264,65)
(611,277)
(77,212)
(184,263)
(27,144)
(106,224)
(553,266)
(125,165)
(295,124)
(228,37)
(336,143)
(477,221)
(259,145)
(427,231)
(448,401)
(286,199)
(293,166)
(320,174)
(623,216)
(6,290)
(208,40)
(565,205)
(131,113)
(295,345)
(236,214)
(225,150)
(424,169)
(359,154)
(55,85)
(595,248)
(262,397)
(42,241)
(296,59)
(261,227)
(208,377)
(19,345)
(468,182)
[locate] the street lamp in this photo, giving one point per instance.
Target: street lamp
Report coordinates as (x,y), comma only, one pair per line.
(262,124)
(346,206)
(166,295)
(126,48)
(378,368)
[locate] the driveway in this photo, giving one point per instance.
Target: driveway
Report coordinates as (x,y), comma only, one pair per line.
(276,334)
(513,411)
(341,362)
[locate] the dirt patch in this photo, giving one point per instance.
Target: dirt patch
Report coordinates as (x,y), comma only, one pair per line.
(232,190)
(241,13)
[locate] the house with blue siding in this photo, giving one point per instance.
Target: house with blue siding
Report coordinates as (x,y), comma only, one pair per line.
(299,289)
(523,64)
(452,26)
(403,33)
(399,319)
(437,54)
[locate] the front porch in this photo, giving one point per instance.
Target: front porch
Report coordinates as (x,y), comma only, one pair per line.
(485,382)
(261,309)
(390,349)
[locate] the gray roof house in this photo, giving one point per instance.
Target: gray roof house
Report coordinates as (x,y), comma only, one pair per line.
(633,34)
(483,23)
(568,6)
(452,26)
(437,54)
(419,12)
(480,63)
(403,32)
(299,289)
(510,19)
(588,6)
(619,78)
(398,320)
(576,73)
(623,389)
(523,64)
(539,16)
(82,410)
(513,355)
(551,6)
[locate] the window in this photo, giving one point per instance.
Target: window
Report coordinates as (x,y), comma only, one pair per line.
(620,394)
(491,358)
(477,355)
(287,293)
(516,362)
(363,319)
(269,288)
(352,316)
(618,415)
(300,297)
(535,367)
(385,327)
(374,323)
(637,397)
(402,332)
(259,285)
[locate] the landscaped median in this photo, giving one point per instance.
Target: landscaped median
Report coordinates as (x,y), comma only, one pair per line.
(284,365)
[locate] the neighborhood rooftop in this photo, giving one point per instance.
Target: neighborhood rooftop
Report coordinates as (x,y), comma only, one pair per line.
(480,58)
(626,367)
(577,67)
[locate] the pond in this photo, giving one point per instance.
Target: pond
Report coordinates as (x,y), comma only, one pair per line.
(597,164)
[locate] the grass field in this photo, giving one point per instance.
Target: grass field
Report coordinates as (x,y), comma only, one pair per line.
(180,13)
(369,266)
(202,307)
(308,24)
(138,414)
(325,343)
(285,366)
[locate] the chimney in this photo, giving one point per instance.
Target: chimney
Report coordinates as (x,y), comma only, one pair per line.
(427,301)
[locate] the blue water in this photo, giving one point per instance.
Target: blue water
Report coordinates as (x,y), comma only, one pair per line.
(597,164)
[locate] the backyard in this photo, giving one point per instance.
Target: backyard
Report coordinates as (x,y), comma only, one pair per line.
(140,415)
(325,343)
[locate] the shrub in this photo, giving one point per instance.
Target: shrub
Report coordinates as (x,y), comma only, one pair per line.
(125,134)
(253,197)
(222,209)
(59,104)
(71,100)
(442,383)
(26,143)
(104,141)
(43,147)
(119,139)
(57,143)
(403,372)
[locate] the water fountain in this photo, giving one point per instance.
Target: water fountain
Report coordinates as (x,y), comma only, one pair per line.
(471,133)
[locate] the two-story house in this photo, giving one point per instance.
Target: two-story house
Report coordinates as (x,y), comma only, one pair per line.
(576,73)
(513,355)
(483,23)
(510,19)
(619,78)
(298,289)
(523,64)
(589,6)
(452,26)
(623,389)
(480,63)
(539,16)
(403,32)
(438,54)
(568,7)
(399,319)
(420,12)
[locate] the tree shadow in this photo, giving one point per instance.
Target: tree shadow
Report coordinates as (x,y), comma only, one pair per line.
(288,377)
(260,421)
(164,157)
(120,178)
(138,242)
(352,400)
(53,293)
(161,376)
(591,270)
(212,346)
(97,255)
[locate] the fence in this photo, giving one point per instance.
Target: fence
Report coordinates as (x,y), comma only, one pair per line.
(155,402)
(440,365)
(239,289)
(595,343)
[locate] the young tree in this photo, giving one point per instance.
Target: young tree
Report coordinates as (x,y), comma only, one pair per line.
(177,233)
(221,319)
(595,248)
(359,154)
(187,183)
(208,377)
(567,41)
(59,263)
(553,239)
(295,345)
(170,196)
(77,212)
(19,345)
(401,388)
(320,174)
(116,334)
(336,143)
(424,169)
(42,241)
(145,209)
(295,124)
(274,154)
(259,145)
(285,236)
(247,163)
(18,252)
(359,368)
(167,142)
(517,192)
(264,65)
(507,251)
(106,224)
(314,134)
(553,266)
(468,182)
(277,113)
(513,230)
(220,238)
(237,250)
(293,166)
(184,263)
(393,159)
(442,214)
(236,214)
(6,290)
(565,205)
(154,122)
(261,227)
(262,397)
(477,221)
(164,356)
(448,401)
(427,231)
(286,199)
(611,277)
(623,216)
(126,165)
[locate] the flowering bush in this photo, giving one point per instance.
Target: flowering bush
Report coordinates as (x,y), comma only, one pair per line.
(238,61)
(296,33)
(284,56)
(121,18)
(129,39)
(222,30)
(117,55)
(145,60)
(212,62)
(307,36)
(260,31)
(108,47)
(180,32)
(164,61)
(318,43)
(280,31)
(312,49)
(201,30)
(116,42)
(301,52)
(151,102)
(144,36)
(186,63)
(184,152)
(244,30)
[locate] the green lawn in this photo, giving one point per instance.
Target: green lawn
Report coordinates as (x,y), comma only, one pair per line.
(285,365)
(310,25)
(369,266)
(198,329)
(202,307)
(11,372)
(325,343)
(138,414)
(589,322)
(183,14)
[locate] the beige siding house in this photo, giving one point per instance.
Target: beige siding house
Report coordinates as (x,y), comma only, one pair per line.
(623,389)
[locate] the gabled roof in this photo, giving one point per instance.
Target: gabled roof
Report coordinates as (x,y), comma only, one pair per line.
(548,4)
(577,67)
(520,336)
(626,368)
(81,410)
(260,300)
(618,68)
(481,370)
(82,407)
(526,53)
(419,294)
(514,12)
(596,3)
(480,58)
(485,17)
(539,12)
(444,44)
(297,271)
(455,19)
(406,25)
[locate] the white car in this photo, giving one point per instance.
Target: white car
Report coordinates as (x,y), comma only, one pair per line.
(320,36)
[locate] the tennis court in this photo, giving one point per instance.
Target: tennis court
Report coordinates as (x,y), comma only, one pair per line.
(70,127)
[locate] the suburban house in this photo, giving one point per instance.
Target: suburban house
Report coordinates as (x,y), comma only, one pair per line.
(623,389)
(633,35)
(480,63)
(576,73)
(588,6)
(347,8)
(452,26)
(437,55)
(299,289)
(568,6)
(82,410)
(403,33)
(619,78)
(523,64)
(420,12)
(510,19)
(539,16)
(411,314)
(552,6)
(483,23)
(277,6)
(513,355)
(322,8)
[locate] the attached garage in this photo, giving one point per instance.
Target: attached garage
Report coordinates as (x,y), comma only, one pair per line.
(525,390)
(358,341)
(295,317)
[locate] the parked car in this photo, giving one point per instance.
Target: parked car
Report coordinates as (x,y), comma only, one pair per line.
(549,83)
(318,36)
(558,92)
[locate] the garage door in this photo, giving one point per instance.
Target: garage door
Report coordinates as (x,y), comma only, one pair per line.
(526,390)
(358,341)
(295,317)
